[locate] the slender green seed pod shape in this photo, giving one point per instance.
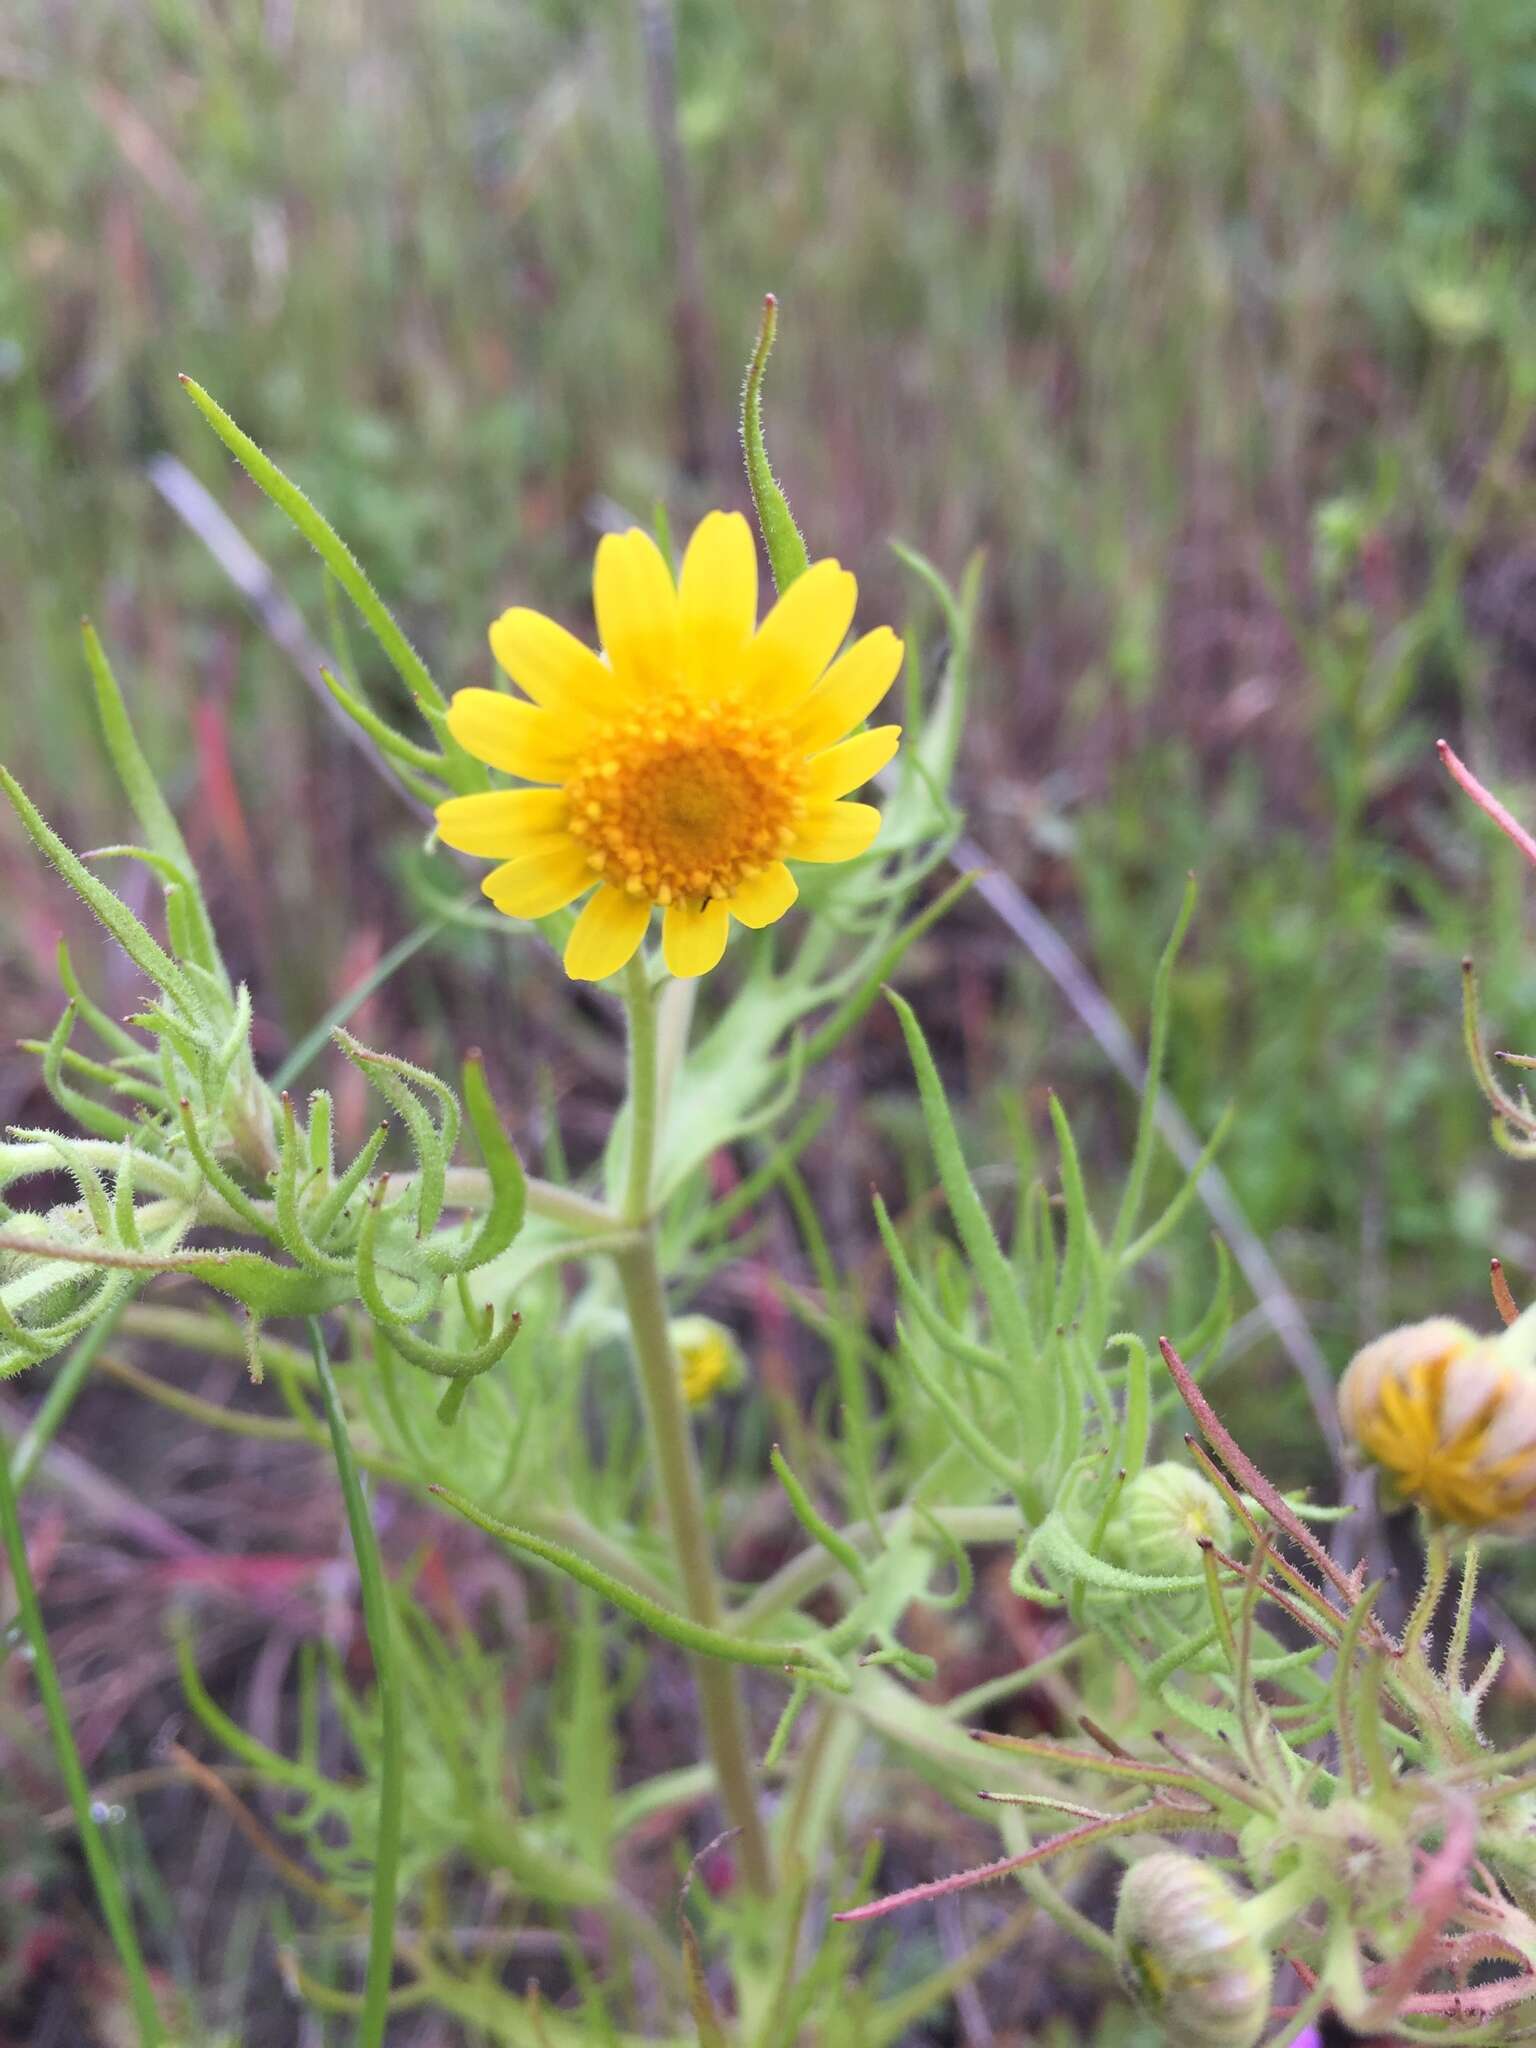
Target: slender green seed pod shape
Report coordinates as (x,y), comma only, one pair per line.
(1186,1955)
(1166,1512)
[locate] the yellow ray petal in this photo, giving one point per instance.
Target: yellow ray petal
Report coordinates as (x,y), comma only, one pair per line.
(550,664)
(518,738)
(717,597)
(540,882)
(800,635)
(611,925)
(849,691)
(501,822)
(850,764)
(765,898)
(693,938)
(837,833)
(636,607)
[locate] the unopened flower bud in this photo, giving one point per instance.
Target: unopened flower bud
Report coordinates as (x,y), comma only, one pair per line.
(1166,1512)
(708,1358)
(1451,1418)
(1187,1955)
(1367,1855)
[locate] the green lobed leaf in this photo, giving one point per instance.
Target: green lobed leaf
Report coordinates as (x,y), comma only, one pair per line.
(949,1339)
(1054,1544)
(107,1029)
(223,1183)
(397,1080)
(803,1659)
(781,537)
(293,1156)
(815,1524)
(509,1187)
(1157,1049)
(965,1429)
(383,735)
(998,1281)
(155,816)
(937,728)
(93,1116)
(329,1209)
(428,1285)
(145,952)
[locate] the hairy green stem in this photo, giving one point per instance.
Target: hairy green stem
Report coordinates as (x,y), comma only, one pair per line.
(104,1873)
(464,1187)
(376,1619)
(1437,1569)
(677,1468)
(644,1091)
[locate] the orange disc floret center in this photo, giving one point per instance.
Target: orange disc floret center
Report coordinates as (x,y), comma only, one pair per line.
(685,800)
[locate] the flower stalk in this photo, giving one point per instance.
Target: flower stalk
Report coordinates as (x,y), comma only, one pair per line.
(676,1463)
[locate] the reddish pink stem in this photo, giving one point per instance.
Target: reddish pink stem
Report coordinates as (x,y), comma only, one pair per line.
(1242,1468)
(1485,800)
(962,1880)
(1436,1896)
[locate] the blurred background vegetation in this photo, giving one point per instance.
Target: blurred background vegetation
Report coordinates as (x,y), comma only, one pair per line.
(1211,323)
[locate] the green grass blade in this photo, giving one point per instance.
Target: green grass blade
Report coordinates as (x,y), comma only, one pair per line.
(104,1873)
(327,544)
(999,1283)
(377,1620)
(1157,1051)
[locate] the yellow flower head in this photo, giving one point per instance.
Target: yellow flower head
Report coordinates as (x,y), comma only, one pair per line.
(687,767)
(1452,1418)
(708,1359)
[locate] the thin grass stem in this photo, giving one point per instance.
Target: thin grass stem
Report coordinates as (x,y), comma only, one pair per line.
(376,1619)
(104,1872)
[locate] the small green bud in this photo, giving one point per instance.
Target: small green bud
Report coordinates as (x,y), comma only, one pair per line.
(1457,310)
(1340,528)
(1353,1851)
(1186,1954)
(1369,1855)
(1166,1512)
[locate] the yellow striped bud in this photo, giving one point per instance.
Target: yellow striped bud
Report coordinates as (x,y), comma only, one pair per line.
(1451,1418)
(1187,1954)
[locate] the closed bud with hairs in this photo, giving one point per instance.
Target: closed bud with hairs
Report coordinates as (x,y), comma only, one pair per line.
(1187,1954)
(1165,1514)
